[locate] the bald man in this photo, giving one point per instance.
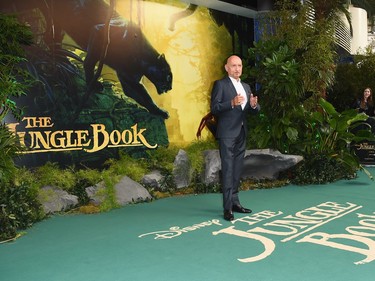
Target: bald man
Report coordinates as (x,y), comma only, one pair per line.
(231,100)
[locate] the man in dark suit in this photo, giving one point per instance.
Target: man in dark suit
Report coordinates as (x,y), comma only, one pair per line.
(231,99)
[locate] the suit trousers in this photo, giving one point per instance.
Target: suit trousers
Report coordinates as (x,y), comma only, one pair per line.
(232,152)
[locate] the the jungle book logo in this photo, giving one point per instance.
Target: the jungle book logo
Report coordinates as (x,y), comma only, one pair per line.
(268,226)
(39,136)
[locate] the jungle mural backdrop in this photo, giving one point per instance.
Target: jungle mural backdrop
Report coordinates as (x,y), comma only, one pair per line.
(119,75)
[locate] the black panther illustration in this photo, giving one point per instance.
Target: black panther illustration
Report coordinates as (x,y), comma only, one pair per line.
(132,57)
(129,52)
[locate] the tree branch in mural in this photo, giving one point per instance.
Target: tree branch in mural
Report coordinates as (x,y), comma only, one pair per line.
(180,15)
(239,28)
(129,52)
(104,50)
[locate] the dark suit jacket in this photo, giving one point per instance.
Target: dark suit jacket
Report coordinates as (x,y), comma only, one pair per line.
(229,120)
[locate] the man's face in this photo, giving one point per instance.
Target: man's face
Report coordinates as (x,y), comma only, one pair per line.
(234,67)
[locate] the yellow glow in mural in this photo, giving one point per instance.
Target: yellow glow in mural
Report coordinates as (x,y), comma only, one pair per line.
(193,46)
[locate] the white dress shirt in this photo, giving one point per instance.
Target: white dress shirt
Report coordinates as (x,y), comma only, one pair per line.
(240,90)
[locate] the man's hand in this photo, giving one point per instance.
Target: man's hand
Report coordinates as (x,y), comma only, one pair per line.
(237,100)
(253,101)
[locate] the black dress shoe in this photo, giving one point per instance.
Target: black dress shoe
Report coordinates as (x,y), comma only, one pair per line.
(228,215)
(240,209)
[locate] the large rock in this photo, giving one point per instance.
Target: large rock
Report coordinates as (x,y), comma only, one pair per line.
(267,163)
(212,165)
(181,169)
(127,191)
(258,164)
(56,200)
(153,179)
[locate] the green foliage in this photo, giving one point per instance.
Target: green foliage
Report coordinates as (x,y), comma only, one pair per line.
(250,184)
(85,178)
(294,65)
(163,157)
(312,45)
(51,174)
(90,176)
(124,166)
(14,36)
(134,168)
(195,152)
(9,149)
(330,133)
(325,145)
(19,209)
(319,169)
(347,88)
(14,81)
(167,184)
(108,193)
(282,90)
(200,187)
(351,79)
(279,74)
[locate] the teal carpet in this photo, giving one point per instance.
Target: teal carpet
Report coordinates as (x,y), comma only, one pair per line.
(295,233)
